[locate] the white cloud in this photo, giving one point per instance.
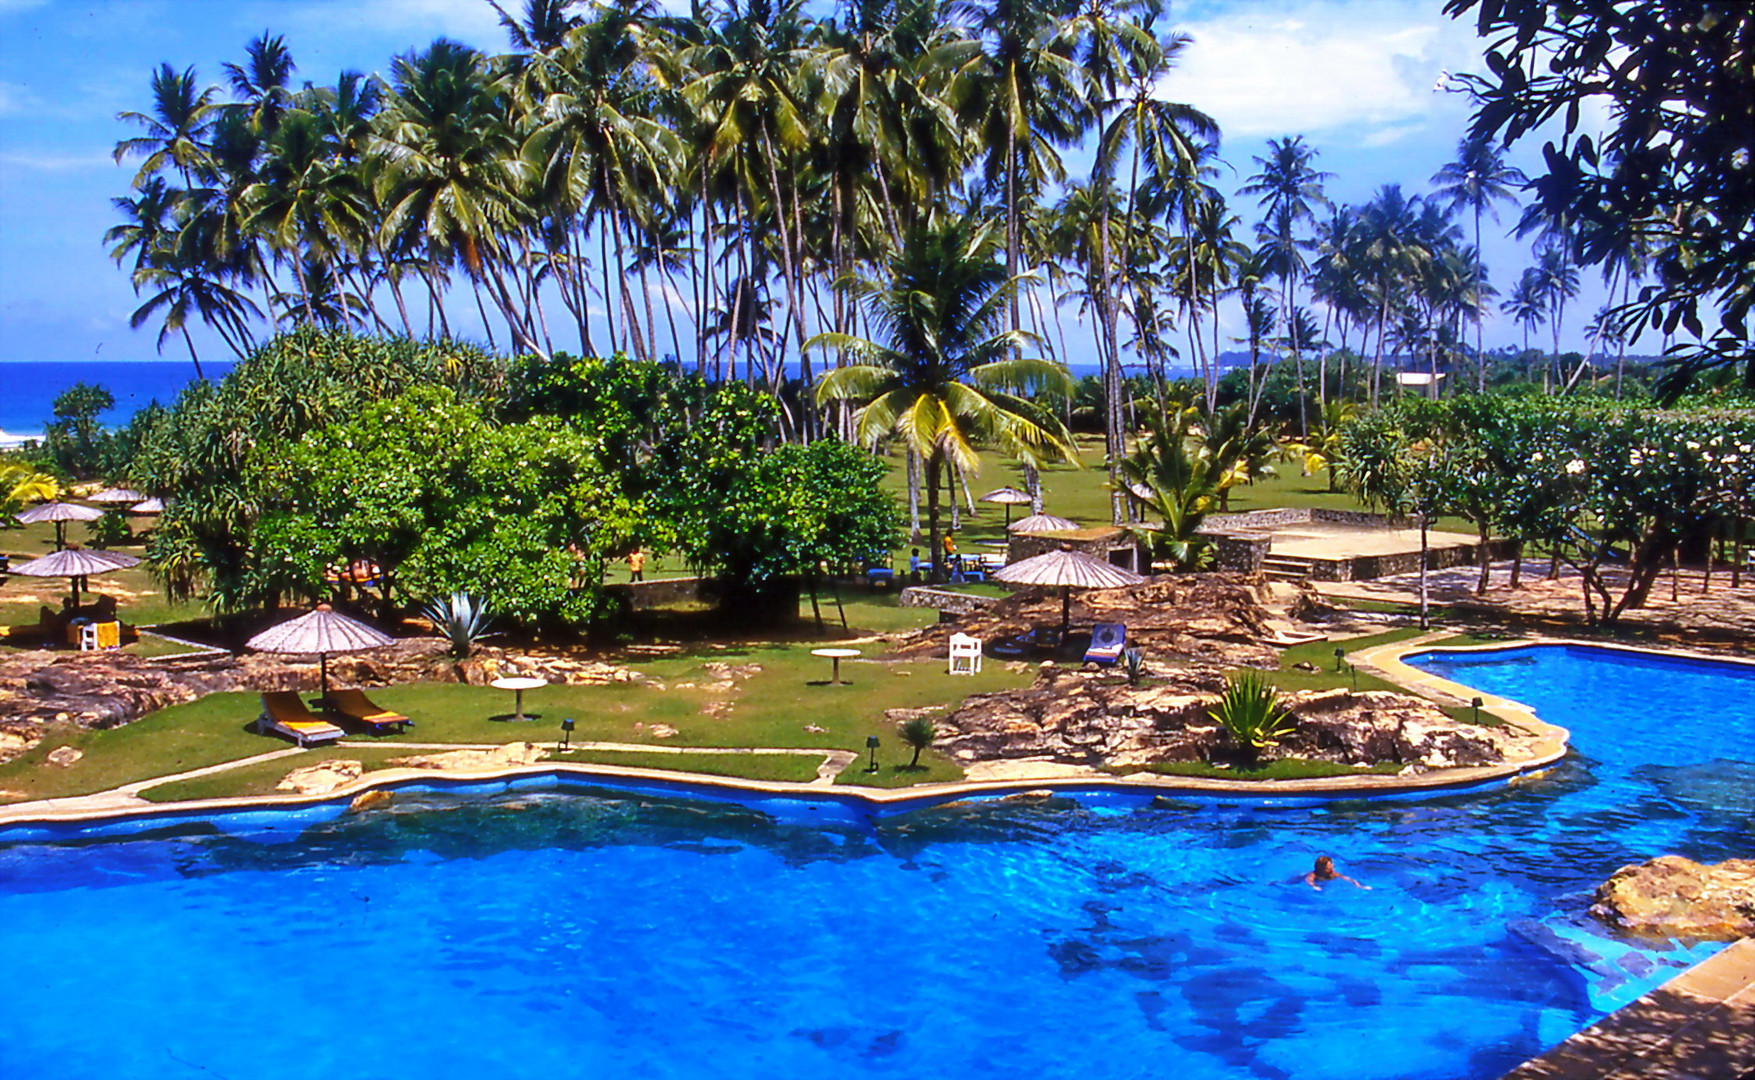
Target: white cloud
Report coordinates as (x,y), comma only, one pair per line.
(473,22)
(1321,65)
(13,7)
(49,161)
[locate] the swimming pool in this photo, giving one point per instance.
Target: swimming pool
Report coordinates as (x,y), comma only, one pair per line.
(562,931)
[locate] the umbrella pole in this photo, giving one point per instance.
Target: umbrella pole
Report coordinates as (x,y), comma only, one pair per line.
(60,536)
(1065,610)
(74,581)
(323,676)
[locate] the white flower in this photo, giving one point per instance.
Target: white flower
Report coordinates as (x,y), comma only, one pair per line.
(1574,467)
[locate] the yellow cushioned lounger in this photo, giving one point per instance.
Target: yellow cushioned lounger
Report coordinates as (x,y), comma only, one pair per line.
(284,711)
(355,706)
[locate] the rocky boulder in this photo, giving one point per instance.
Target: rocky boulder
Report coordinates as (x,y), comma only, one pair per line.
(1674,897)
(499,757)
(1096,719)
(321,778)
(1201,618)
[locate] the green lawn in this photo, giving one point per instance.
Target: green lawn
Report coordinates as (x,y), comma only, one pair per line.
(771,707)
(1322,654)
(1278,769)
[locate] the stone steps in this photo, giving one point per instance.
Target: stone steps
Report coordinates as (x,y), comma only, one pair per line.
(1287,567)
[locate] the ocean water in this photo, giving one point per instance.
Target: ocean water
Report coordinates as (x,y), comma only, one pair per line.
(549,929)
(28,388)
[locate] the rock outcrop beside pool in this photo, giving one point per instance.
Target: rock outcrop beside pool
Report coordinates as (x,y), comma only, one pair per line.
(1097,719)
(109,689)
(1210,618)
(1674,897)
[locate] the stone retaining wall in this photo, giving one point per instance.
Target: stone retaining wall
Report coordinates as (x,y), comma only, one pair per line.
(949,602)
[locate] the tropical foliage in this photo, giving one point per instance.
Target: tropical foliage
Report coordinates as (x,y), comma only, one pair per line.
(1251,713)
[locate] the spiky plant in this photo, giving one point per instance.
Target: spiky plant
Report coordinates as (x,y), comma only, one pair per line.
(1133,662)
(1250,710)
(461,618)
(918,732)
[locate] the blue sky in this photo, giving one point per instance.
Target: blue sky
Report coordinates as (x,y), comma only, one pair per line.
(1355,77)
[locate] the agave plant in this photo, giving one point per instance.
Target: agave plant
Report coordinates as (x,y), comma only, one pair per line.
(1250,710)
(918,732)
(1133,662)
(461,618)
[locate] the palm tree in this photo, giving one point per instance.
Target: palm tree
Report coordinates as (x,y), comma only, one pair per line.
(309,208)
(185,289)
(1476,180)
(1527,304)
(180,119)
(1389,254)
(1556,278)
(944,373)
(1174,479)
(1290,186)
(448,170)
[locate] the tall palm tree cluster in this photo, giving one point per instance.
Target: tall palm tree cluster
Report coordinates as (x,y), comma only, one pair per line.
(759,170)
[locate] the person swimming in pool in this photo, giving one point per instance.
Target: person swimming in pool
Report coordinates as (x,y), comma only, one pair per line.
(1325,871)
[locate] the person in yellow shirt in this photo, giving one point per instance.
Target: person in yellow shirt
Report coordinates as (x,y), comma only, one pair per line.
(636,565)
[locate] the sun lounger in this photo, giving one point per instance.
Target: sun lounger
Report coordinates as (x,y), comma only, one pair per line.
(353,706)
(284,713)
(1108,639)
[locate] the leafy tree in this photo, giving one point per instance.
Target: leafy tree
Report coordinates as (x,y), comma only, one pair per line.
(21,485)
(918,732)
(444,501)
(75,443)
(1669,170)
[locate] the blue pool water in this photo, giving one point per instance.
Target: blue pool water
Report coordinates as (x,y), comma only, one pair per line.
(556,931)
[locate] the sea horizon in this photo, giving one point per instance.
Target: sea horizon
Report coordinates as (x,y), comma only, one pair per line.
(28,388)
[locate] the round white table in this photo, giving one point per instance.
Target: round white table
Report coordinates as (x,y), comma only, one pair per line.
(837,655)
(518,684)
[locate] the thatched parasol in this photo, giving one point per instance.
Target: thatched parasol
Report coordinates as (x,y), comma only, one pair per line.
(118,496)
(152,505)
(1007,497)
(60,513)
(76,564)
(1041,523)
(319,633)
(1067,570)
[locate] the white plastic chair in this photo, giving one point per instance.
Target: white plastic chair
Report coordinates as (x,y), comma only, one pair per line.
(965,654)
(88,637)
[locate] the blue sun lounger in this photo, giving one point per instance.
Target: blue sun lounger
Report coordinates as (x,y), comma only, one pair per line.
(1108,639)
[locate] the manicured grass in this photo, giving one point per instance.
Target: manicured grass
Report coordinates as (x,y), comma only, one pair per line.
(893,770)
(1322,654)
(183,737)
(770,708)
(1277,769)
(261,778)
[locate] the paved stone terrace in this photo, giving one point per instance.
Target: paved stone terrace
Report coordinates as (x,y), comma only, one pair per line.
(1698,1026)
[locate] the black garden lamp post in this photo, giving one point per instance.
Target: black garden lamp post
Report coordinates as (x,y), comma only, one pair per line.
(871,743)
(1340,655)
(1477,704)
(566,734)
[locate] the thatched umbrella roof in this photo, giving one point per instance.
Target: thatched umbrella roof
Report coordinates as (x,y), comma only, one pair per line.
(1067,570)
(319,633)
(116,495)
(1008,497)
(152,505)
(75,564)
(1041,523)
(57,512)
(60,513)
